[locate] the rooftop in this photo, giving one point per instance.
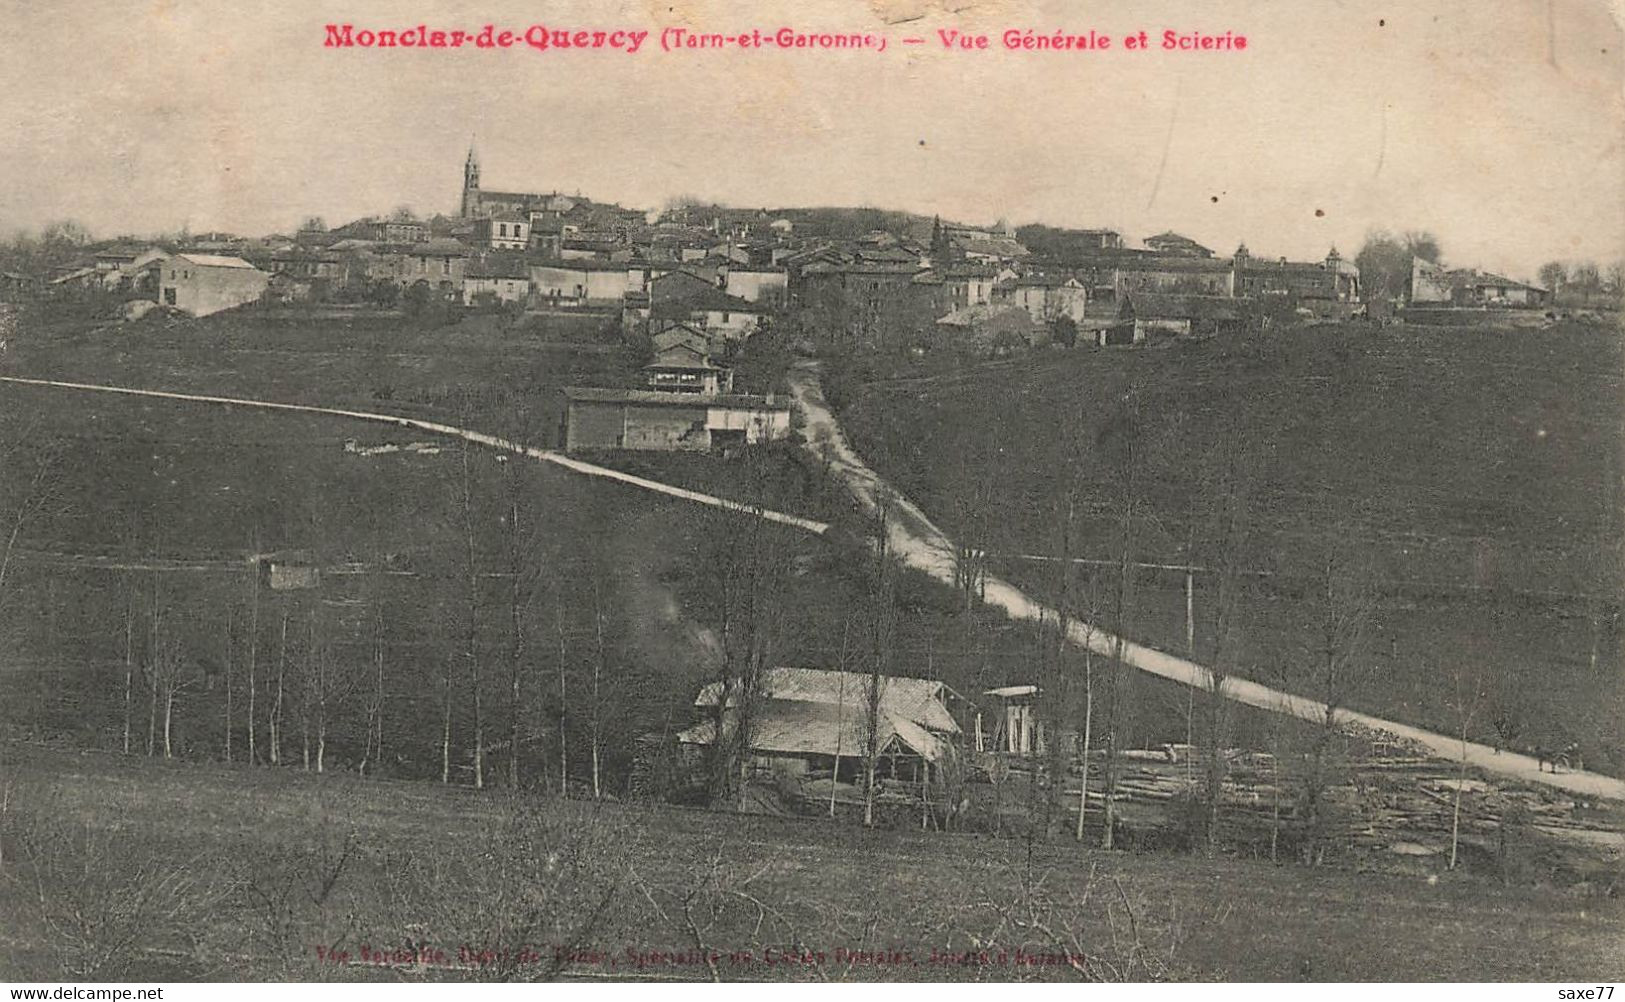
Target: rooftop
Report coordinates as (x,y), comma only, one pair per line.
(700,364)
(591,264)
(1039,281)
(215,261)
(657,398)
(499,268)
(1152,305)
(916,699)
(795,728)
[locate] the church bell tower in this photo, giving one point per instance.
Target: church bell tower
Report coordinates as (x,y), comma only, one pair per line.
(471,186)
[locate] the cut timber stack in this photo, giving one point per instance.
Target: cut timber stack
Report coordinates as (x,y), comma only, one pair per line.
(1397,803)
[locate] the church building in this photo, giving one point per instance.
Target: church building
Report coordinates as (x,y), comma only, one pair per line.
(478,203)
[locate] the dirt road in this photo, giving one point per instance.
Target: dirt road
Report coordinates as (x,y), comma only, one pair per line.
(491,441)
(926,548)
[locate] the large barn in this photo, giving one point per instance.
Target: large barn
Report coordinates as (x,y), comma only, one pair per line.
(814,719)
(203,284)
(689,406)
(606,418)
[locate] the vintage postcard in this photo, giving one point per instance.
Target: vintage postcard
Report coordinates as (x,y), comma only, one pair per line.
(849,490)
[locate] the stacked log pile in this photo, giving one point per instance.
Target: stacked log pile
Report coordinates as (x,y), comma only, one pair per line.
(1400,803)
(1384,802)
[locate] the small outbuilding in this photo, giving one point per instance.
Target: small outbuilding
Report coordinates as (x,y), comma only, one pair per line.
(1015,729)
(1140,314)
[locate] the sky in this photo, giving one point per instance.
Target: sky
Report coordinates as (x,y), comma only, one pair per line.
(1499,125)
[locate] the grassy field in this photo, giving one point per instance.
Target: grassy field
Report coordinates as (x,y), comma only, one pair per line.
(483,367)
(189,871)
(1473,471)
(139,480)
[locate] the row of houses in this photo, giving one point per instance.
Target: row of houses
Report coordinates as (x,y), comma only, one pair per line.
(199,283)
(880,267)
(1111,274)
(568,251)
(459,268)
(1433,285)
(724,297)
(987,282)
(564,251)
(1000,328)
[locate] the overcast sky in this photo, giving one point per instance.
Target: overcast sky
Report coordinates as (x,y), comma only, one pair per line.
(1496,124)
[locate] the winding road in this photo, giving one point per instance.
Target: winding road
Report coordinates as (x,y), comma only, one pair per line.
(923,546)
(926,548)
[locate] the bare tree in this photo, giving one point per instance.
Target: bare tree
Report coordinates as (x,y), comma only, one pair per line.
(278,696)
(169,675)
(328,687)
(1089,927)
(1468,698)
(599,657)
(129,655)
(1552,275)
(30,490)
(253,652)
(307,687)
(1226,488)
(1091,612)
(1054,678)
(842,665)
(100,899)
(150,671)
(881,624)
(975,510)
(1121,441)
(1334,668)
(377,599)
(522,546)
(521,588)
(448,668)
(1586,278)
(472,604)
(372,745)
(68,234)
(1275,729)
(230,640)
(1604,557)
(749,575)
(563,665)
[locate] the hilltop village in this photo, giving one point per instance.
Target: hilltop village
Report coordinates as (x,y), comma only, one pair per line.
(698,281)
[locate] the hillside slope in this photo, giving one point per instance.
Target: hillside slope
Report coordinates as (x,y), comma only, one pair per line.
(1474,473)
(220,873)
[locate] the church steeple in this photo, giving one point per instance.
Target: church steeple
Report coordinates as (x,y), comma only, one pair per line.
(470,206)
